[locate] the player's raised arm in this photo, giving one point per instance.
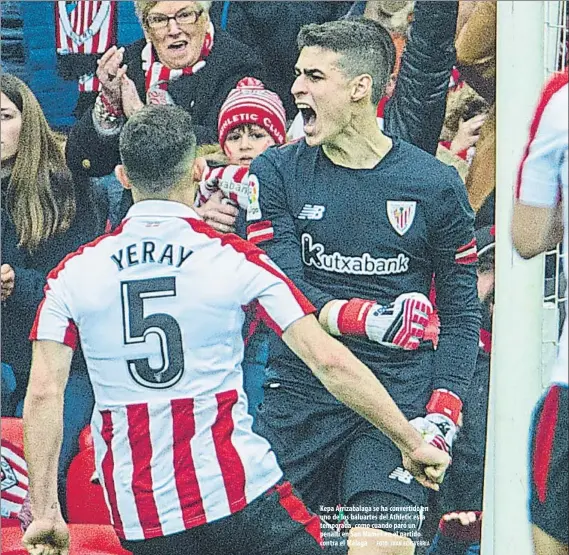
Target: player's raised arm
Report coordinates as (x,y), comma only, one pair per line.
(353,383)
(415,112)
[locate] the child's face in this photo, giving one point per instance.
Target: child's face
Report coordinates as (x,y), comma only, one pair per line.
(244,143)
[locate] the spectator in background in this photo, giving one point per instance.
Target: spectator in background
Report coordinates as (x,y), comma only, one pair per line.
(476,56)
(270,30)
(182,61)
(465,114)
(45,216)
(251,120)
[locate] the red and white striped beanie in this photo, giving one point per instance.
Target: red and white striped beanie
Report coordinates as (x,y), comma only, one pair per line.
(251,103)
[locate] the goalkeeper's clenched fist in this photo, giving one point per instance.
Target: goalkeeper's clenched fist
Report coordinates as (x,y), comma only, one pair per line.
(440,425)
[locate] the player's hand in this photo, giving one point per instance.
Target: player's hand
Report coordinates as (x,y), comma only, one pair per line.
(7,277)
(427,464)
(436,429)
(219,215)
(402,323)
(110,70)
(47,537)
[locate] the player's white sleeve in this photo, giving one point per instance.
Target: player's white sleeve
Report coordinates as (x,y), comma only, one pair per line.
(280,302)
(539,175)
(53,318)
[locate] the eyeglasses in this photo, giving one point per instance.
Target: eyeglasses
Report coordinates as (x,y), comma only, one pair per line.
(158,21)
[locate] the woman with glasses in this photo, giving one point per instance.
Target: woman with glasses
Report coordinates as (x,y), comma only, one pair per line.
(182,60)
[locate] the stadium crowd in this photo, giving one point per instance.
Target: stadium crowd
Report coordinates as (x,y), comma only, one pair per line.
(286,156)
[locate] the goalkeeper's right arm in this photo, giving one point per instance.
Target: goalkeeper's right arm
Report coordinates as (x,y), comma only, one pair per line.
(400,324)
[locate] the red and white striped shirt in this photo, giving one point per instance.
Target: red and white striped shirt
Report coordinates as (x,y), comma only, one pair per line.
(543,173)
(158,308)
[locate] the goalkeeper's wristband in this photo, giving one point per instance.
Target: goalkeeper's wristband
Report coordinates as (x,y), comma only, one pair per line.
(349,317)
(445,402)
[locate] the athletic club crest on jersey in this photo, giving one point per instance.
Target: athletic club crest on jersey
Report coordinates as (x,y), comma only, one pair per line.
(401,214)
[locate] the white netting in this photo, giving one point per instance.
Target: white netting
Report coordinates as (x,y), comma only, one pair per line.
(555,294)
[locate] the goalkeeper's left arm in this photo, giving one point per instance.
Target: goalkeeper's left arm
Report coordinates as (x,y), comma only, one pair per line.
(454,256)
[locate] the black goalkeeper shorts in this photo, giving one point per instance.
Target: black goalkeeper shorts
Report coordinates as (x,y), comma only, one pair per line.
(549,464)
(330,453)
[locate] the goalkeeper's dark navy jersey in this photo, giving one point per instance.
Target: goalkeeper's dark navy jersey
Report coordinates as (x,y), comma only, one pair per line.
(341,233)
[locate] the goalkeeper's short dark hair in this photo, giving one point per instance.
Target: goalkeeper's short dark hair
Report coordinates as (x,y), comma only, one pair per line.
(364,45)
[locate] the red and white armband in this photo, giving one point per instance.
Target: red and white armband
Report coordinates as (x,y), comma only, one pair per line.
(445,402)
(400,324)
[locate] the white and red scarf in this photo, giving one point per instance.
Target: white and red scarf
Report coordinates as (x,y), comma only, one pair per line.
(158,76)
(14,472)
(85,28)
(232,180)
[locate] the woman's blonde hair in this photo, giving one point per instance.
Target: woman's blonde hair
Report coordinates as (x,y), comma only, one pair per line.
(40,195)
(143,7)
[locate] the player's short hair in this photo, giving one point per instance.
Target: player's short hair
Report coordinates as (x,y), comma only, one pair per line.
(157,147)
(364,45)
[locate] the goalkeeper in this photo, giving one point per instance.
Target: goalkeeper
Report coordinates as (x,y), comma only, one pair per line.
(361,221)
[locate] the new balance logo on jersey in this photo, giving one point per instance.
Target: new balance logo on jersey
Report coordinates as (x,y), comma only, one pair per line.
(312,212)
(401,475)
(313,254)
